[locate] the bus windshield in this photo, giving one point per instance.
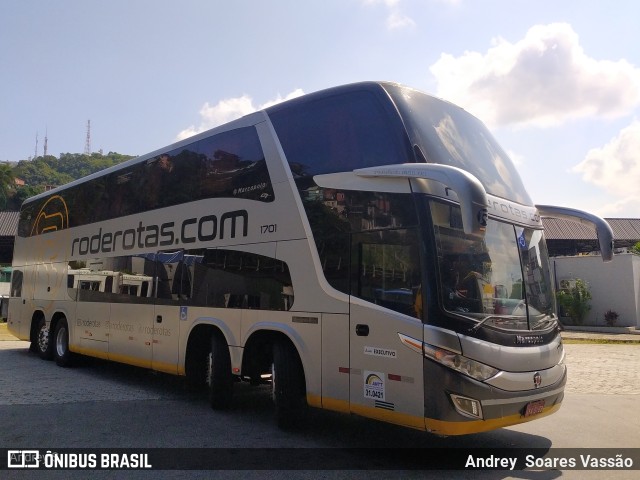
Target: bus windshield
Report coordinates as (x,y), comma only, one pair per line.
(446,134)
(502,280)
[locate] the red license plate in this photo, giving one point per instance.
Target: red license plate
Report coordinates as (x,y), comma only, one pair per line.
(534,408)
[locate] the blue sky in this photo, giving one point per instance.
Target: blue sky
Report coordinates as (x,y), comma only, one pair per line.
(558,82)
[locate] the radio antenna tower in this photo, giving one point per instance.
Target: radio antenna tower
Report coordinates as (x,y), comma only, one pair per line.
(45,142)
(87,145)
(36,152)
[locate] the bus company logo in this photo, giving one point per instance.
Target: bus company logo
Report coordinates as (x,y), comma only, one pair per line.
(203,229)
(53,216)
(23,459)
(374,385)
(537,380)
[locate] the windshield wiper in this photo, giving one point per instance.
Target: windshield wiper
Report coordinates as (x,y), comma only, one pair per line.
(477,326)
(543,323)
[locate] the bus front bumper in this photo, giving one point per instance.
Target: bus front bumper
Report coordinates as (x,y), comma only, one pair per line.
(466,405)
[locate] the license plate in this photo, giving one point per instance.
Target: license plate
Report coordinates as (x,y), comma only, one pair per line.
(534,408)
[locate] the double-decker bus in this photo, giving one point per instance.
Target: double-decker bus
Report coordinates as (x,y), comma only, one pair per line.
(368,249)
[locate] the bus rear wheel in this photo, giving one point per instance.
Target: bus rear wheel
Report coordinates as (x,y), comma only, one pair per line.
(61,353)
(43,345)
(288,385)
(219,378)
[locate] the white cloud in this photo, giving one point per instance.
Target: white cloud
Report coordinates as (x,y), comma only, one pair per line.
(616,169)
(388,3)
(396,20)
(544,79)
(229,109)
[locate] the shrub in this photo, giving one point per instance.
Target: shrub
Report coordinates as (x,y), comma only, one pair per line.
(610,317)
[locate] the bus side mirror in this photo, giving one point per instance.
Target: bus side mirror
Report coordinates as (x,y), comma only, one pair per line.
(603,230)
(470,191)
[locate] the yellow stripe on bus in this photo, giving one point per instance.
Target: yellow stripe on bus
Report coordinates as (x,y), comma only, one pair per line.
(439,427)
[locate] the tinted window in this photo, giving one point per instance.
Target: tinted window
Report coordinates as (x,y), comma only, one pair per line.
(204,277)
(448,135)
(334,215)
(386,270)
(126,279)
(230,164)
(233,279)
(340,133)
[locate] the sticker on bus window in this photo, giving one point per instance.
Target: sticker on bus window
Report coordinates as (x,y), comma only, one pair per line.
(374,385)
(183,314)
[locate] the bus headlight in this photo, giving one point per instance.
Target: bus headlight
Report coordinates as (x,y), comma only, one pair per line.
(459,363)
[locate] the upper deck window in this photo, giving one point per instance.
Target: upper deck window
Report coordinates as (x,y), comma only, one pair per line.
(340,132)
(230,164)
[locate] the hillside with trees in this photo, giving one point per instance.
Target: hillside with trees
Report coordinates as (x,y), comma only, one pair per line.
(46,172)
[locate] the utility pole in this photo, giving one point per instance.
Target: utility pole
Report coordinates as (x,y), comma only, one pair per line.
(87,145)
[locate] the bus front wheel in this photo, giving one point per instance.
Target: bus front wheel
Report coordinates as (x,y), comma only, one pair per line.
(288,385)
(219,378)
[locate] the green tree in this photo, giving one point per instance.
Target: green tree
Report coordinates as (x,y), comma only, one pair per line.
(7,184)
(635,249)
(574,301)
(22,194)
(49,170)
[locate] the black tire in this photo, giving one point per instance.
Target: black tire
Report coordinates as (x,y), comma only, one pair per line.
(196,366)
(41,343)
(288,386)
(60,339)
(219,378)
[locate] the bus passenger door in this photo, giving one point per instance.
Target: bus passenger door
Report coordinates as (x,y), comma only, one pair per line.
(385,376)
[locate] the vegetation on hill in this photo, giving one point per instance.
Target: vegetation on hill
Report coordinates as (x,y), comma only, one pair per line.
(48,171)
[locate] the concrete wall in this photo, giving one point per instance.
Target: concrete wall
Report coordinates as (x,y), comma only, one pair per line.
(614,285)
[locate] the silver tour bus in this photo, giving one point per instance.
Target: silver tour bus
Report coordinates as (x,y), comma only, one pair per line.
(367,249)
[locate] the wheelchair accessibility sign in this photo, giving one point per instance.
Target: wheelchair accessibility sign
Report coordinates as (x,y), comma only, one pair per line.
(183,314)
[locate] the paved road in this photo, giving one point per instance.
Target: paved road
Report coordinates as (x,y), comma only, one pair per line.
(604,369)
(102,404)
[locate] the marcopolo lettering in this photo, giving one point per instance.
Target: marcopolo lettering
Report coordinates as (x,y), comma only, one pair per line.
(191,230)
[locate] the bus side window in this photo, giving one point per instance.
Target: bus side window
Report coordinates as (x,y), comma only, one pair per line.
(386,272)
(234,279)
